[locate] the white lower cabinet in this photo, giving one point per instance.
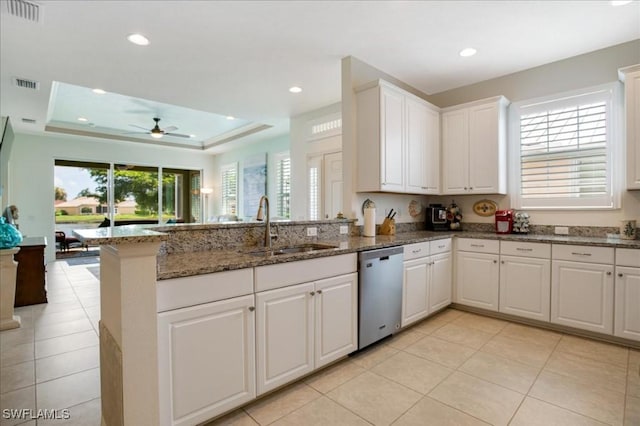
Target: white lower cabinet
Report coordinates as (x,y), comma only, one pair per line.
(627,294)
(525,279)
(304,326)
(206,357)
(440,283)
(426,284)
(477,273)
(582,295)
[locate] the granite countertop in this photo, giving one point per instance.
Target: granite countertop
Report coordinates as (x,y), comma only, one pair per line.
(126,234)
(206,262)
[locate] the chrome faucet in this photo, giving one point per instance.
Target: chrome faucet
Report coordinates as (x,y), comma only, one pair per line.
(260,217)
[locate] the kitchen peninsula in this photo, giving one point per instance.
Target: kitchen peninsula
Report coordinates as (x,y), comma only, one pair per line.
(150,272)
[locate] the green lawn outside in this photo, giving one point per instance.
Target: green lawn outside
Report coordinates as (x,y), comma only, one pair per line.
(97,218)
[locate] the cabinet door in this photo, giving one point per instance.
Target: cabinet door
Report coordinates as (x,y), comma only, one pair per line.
(422,142)
(391,140)
(632,103)
(627,306)
(336,325)
(525,287)
(582,295)
(455,150)
(477,280)
(284,335)
(440,271)
(206,357)
(415,290)
(484,149)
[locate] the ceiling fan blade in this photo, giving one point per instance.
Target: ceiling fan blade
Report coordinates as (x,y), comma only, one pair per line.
(177,135)
(139,127)
(136,133)
(170,129)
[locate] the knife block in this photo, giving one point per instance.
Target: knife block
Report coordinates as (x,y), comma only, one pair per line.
(388,227)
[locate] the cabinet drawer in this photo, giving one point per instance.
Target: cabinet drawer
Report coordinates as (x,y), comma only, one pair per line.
(516,248)
(628,257)
(583,253)
(414,251)
(304,271)
(189,291)
(440,246)
(478,245)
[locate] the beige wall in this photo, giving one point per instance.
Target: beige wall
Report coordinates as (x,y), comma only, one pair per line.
(586,70)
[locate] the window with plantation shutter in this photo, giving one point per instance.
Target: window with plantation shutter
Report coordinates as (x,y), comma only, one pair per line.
(229,188)
(566,148)
(283,184)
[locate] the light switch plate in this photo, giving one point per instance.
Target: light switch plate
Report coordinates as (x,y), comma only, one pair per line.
(562,230)
(312,232)
(344,229)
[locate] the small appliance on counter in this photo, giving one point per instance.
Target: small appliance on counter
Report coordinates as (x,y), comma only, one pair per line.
(504,221)
(437,218)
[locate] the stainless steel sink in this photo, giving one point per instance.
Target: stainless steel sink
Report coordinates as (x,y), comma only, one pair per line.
(299,248)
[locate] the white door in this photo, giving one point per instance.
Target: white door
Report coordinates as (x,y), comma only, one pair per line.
(582,295)
(525,287)
(415,290)
(206,357)
(440,283)
(417,139)
(627,307)
(336,324)
(477,280)
(332,189)
(391,140)
(483,149)
(455,150)
(284,335)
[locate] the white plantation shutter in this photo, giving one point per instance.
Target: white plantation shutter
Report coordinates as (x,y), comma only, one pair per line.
(565,152)
(229,188)
(314,191)
(283,183)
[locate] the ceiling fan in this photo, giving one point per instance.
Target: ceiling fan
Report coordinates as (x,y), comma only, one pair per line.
(157,132)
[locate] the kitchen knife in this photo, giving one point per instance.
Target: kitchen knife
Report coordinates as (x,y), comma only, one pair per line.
(390,213)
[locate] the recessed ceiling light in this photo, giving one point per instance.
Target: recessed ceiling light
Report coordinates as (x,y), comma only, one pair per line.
(138,39)
(83,119)
(619,2)
(230,117)
(469,51)
(98,91)
(295,89)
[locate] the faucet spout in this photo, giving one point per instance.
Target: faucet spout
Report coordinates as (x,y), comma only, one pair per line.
(260,216)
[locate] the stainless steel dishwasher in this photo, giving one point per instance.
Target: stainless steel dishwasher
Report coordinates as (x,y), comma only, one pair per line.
(380,294)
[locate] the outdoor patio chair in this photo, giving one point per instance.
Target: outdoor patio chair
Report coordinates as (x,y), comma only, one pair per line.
(65,243)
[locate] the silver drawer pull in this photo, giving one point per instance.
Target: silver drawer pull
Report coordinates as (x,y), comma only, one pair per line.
(442,246)
(524,249)
(312,293)
(319,291)
(477,245)
(580,254)
(417,251)
(252,308)
(620,275)
(608,272)
(495,261)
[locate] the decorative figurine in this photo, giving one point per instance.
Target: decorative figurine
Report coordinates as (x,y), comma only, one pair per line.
(454,216)
(9,235)
(521,223)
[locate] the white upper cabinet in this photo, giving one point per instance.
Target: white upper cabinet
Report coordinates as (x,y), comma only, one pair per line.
(397,141)
(631,78)
(474,147)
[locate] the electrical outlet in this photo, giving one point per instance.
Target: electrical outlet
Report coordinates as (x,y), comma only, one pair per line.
(344,229)
(312,232)
(562,230)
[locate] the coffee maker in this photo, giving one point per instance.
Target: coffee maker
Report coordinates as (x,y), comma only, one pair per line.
(437,218)
(504,221)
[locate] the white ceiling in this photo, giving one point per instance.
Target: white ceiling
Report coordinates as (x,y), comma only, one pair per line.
(239,58)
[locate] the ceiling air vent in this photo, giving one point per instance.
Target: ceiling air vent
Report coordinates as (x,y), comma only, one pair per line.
(24,9)
(29,120)
(25,83)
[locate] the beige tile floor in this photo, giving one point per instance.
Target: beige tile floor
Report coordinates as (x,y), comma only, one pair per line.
(454,369)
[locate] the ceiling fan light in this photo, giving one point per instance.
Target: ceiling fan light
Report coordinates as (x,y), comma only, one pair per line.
(156,135)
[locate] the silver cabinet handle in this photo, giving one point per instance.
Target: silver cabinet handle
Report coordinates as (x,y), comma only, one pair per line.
(502,261)
(495,261)
(416,251)
(319,292)
(580,254)
(620,275)
(477,245)
(471,188)
(442,246)
(523,249)
(609,273)
(423,187)
(313,293)
(252,308)
(465,188)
